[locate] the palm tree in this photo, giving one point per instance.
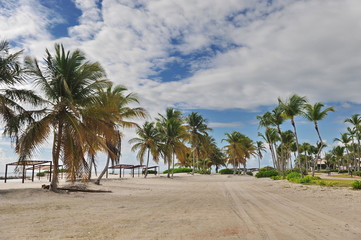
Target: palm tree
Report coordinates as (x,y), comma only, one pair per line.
(11,111)
(119,114)
(271,137)
(260,148)
(239,149)
(344,140)
(292,107)
(69,84)
(314,113)
(197,129)
(352,132)
(148,141)
(355,120)
(338,151)
(173,134)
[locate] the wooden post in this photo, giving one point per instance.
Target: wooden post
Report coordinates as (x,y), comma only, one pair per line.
(133,171)
(6,172)
(51,167)
(32,176)
(39,172)
(23,173)
(107,173)
(120,172)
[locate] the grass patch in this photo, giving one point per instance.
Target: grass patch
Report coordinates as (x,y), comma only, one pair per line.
(179,170)
(345,176)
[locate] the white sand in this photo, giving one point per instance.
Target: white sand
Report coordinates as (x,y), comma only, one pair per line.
(186,207)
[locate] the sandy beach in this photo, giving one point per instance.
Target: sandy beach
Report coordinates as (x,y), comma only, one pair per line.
(186,207)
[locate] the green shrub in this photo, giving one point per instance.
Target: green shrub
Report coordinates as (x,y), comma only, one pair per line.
(322,183)
(268,173)
(307,179)
(179,170)
(249,173)
(40,174)
(293,175)
(278,177)
(356,185)
(267,168)
(226,171)
(357,173)
(203,171)
(296,170)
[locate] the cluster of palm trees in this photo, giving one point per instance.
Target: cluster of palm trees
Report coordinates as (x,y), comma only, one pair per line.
(172,137)
(75,105)
(282,143)
(347,153)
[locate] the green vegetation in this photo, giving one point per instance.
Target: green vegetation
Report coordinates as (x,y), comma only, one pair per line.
(268,173)
(203,171)
(226,171)
(356,185)
(278,177)
(178,170)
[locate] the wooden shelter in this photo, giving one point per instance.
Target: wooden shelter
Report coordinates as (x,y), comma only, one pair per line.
(32,163)
(156,168)
(126,166)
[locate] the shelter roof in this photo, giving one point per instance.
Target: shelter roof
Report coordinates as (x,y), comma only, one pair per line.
(28,163)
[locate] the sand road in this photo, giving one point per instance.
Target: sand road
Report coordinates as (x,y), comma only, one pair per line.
(186,207)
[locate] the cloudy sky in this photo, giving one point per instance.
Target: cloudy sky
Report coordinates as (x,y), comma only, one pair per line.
(227,59)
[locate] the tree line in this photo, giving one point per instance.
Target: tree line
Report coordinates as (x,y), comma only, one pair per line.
(85,113)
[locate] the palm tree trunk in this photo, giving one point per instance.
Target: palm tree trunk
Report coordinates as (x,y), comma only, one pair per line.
(103,172)
(56,154)
(298,149)
(358,149)
(319,150)
(193,152)
(168,175)
(90,166)
(146,169)
(173,164)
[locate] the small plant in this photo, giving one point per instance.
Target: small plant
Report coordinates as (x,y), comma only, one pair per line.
(322,183)
(267,168)
(357,173)
(293,175)
(356,185)
(249,173)
(278,177)
(203,171)
(226,171)
(306,179)
(269,173)
(179,170)
(40,174)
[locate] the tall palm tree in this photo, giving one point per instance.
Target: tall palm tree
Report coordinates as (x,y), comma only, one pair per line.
(239,149)
(13,114)
(197,129)
(117,105)
(339,151)
(314,113)
(69,84)
(351,133)
(173,135)
(260,148)
(147,142)
(355,120)
(292,107)
(271,137)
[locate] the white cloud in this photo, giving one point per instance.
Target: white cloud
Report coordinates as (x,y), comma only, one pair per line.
(225,125)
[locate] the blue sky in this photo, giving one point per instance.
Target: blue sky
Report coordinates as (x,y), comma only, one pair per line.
(229,60)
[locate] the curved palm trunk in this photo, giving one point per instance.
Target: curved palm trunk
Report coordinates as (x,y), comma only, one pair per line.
(172,164)
(90,166)
(319,150)
(298,149)
(103,172)
(282,158)
(146,169)
(56,153)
